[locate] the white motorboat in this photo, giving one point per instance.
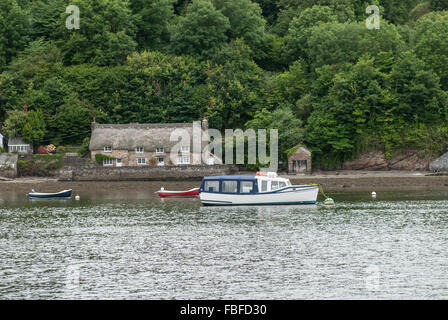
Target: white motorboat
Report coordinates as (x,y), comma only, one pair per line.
(262,189)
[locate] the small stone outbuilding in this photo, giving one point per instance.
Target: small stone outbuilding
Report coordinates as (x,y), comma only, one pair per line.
(300,161)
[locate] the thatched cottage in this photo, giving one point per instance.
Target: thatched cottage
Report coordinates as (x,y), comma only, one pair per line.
(138,144)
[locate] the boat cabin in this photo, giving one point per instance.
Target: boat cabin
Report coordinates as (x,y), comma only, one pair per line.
(243,184)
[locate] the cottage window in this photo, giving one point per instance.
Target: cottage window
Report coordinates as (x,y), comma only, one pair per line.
(160,150)
(184,159)
(160,161)
(108,162)
(185,149)
(107,149)
(141,161)
(139,150)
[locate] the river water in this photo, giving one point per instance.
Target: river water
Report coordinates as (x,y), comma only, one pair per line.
(135,246)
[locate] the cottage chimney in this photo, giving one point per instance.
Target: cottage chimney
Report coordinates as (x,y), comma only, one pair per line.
(93,124)
(205,124)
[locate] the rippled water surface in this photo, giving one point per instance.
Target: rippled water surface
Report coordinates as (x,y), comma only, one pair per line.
(135,246)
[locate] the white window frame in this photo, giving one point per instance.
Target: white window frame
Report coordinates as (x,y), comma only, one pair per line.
(107,149)
(139,150)
(160,150)
(141,163)
(107,164)
(160,163)
(185,149)
(183,159)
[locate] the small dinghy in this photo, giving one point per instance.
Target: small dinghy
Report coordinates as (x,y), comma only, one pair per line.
(189,193)
(40,195)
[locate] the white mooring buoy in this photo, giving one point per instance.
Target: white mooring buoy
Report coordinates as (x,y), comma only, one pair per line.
(373,194)
(77,197)
(329,202)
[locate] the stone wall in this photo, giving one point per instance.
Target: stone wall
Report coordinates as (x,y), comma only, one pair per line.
(75,161)
(8,165)
(145,173)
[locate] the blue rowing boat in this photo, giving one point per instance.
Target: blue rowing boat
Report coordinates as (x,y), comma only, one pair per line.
(40,195)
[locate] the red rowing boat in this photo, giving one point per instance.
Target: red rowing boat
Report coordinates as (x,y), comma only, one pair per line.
(189,193)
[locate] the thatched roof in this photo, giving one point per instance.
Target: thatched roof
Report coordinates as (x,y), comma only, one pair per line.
(130,136)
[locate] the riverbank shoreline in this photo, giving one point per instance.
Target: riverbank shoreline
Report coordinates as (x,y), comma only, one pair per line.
(330,180)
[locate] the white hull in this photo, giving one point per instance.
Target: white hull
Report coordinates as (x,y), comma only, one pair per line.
(288,195)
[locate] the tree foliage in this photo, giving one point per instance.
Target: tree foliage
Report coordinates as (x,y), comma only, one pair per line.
(309,68)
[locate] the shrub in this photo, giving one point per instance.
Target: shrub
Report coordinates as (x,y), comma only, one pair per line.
(100,157)
(42,150)
(84,149)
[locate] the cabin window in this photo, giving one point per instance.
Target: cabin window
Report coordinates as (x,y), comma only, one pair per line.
(274,185)
(107,149)
(185,149)
(246,186)
(282,184)
(141,161)
(139,150)
(211,186)
(230,186)
(108,162)
(264,186)
(160,150)
(184,159)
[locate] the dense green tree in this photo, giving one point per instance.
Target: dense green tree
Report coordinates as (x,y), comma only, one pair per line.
(34,129)
(419,96)
(235,86)
(290,129)
(432,44)
(14,30)
(300,30)
(246,20)
(202,32)
(152,18)
(46,18)
(439,4)
(339,43)
(288,88)
(15,120)
(106,34)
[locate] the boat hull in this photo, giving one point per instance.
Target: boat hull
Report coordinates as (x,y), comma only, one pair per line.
(189,193)
(63,195)
(291,195)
